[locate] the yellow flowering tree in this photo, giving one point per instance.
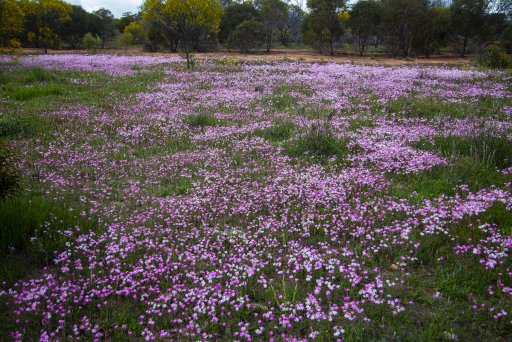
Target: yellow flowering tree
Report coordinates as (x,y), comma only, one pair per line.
(11,22)
(188,22)
(45,18)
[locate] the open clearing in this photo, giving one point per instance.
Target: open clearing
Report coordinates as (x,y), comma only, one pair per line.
(255,200)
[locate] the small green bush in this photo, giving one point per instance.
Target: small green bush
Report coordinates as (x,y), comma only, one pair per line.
(91,42)
(494,57)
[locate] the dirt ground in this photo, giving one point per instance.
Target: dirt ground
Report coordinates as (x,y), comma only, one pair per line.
(293,54)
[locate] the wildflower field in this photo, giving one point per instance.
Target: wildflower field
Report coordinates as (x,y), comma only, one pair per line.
(250,201)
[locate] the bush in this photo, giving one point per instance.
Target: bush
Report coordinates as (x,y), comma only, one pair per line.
(91,42)
(494,57)
(247,36)
(8,175)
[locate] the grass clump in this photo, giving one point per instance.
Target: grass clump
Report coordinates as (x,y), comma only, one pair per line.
(31,231)
(432,107)
(444,179)
(279,131)
(486,149)
(201,120)
(40,75)
(318,142)
(174,186)
(8,174)
(26,93)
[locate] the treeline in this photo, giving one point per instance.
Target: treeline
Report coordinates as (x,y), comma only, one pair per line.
(400,27)
(55,24)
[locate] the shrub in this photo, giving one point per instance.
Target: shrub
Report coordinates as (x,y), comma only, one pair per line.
(8,174)
(494,57)
(91,42)
(247,36)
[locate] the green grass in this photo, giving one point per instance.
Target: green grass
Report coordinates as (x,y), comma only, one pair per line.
(319,143)
(443,179)
(174,186)
(201,120)
(29,92)
(40,75)
(26,216)
(279,131)
(433,107)
(486,149)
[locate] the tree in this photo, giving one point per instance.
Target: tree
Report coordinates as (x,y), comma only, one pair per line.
(125,20)
(105,25)
(81,22)
(11,22)
(402,19)
(322,26)
(135,31)
(291,31)
(234,15)
(468,17)
(364,21)
(247,36)
(189,22)
(274,14)
(44,20)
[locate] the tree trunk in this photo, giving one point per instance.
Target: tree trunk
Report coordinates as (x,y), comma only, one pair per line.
(464,43)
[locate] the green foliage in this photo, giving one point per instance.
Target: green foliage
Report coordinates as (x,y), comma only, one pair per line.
(201,120)
(247,36)
(494,57)
(280,130)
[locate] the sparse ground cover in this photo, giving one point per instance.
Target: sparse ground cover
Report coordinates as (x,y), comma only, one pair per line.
(244,200)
